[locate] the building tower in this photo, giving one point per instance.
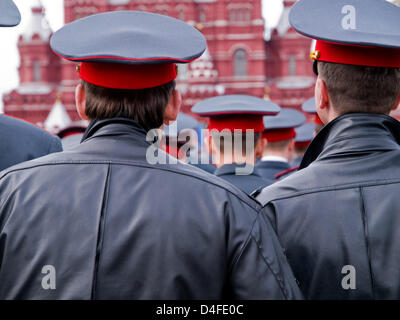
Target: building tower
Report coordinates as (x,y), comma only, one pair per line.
(39,71)
(238,59)
(288,65)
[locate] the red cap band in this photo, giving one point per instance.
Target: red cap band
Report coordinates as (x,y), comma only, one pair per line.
(278,135)
(318,120)
(172,150)
(302,145)
(356,55)
(242,122)
(123,76)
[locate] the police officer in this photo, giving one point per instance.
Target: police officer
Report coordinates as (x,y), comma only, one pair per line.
(338,218)
(278,151)
(21,141)
(105,220)
(233,146)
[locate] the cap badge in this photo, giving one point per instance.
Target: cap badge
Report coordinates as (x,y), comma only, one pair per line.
(315,55)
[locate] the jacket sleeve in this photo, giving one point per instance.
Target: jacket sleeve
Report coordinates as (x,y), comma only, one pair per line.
(260,269)
(55,145)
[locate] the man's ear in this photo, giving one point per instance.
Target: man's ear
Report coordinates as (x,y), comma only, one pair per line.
(397,104)
(290,150)
(321,94)
(291,145)
(259,148)
(80,101)
(173,107)
(322,100)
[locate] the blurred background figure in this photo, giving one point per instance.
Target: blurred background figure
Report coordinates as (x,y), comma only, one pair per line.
(178,134)
(184,142)
(234,148)
(120,229)
(304,136)
(256,54)
(280,134)
(310,108)
(339,217)
(71,136)
(21,141)
(9,14)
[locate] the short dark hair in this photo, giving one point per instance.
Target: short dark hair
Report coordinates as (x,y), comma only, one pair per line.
(300,150)
(219,141)
(145,106)
(279,145)
(359,88)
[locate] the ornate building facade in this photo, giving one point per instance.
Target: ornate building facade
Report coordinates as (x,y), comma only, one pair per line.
(238,59)
(290,78)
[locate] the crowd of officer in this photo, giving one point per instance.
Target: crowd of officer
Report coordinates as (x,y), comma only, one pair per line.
(253,201)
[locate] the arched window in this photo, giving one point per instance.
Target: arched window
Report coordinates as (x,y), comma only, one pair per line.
(181,14)
(292,65)
(240,15)
(36,71)
(232,15)
(248,15)
(182,71)
(240,63)
(202,16)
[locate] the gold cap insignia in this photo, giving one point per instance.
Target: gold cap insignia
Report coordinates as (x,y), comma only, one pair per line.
(315,55)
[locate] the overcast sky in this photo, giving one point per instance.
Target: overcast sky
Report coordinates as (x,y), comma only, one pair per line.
(9,57)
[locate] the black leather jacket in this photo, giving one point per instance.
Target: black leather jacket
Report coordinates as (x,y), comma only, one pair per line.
(343,209)
(114,226)
(269,169)
(21,141)
(247,183)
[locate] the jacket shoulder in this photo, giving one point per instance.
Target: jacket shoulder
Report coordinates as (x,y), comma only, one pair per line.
(21,129)
(291,186)
(180,171)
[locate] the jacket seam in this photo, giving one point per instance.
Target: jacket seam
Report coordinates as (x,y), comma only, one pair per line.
(239,255)
(245,199)
(100,236)
(333,188)
(366,236)
(1,206)
(52,145)
(279,282)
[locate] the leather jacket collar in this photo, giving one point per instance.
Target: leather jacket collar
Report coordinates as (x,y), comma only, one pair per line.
(99,127)
(352,134)
(230,169)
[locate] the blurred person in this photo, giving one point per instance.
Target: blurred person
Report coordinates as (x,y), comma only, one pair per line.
(234,148)
(181,140)
(304,136)
(338,217)
(280,134)
(21,141)
(101,221)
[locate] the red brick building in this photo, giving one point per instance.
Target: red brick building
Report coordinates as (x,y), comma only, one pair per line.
(238,59)
(290,78)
